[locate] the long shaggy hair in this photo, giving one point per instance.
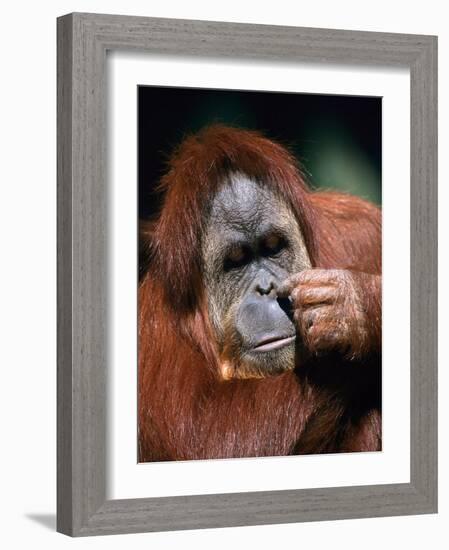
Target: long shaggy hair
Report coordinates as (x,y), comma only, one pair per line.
(185,410)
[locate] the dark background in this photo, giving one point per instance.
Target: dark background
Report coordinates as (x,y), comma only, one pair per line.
(336,138)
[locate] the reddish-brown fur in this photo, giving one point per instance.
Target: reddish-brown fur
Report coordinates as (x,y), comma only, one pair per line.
(185,410)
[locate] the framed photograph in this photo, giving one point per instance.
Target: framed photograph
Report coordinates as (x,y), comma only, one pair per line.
(247,281)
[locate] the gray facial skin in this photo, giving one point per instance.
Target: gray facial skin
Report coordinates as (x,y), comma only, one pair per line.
(252,243)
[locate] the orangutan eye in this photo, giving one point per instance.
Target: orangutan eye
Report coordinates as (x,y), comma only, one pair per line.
(236,257)
(273,244)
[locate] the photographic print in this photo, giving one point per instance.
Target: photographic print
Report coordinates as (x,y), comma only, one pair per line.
(260,274)
(259,303)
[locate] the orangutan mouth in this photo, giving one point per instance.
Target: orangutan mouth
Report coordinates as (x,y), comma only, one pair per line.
(275,342)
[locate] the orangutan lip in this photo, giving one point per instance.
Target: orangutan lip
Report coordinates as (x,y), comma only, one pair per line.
(274,343)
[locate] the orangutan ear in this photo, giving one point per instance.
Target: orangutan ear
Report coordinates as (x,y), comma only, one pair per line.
(146,229)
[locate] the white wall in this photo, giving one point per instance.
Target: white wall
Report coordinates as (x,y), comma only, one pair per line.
(27,289)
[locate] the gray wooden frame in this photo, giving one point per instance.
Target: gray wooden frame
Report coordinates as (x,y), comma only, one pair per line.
(83,40)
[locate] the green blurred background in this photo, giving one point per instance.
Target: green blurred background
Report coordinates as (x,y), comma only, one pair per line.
(337,139)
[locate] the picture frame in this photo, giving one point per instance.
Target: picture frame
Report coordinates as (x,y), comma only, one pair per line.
(83,40)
